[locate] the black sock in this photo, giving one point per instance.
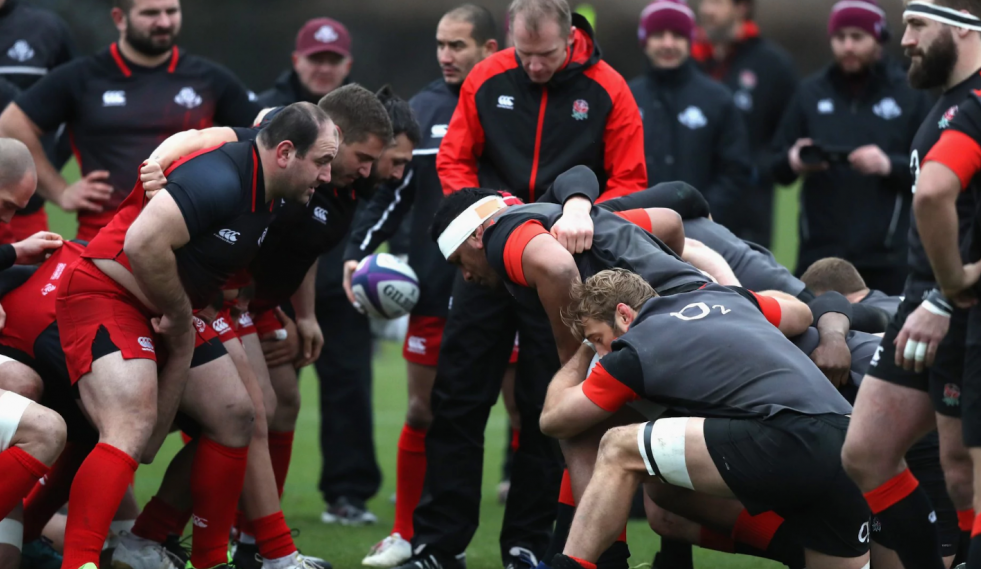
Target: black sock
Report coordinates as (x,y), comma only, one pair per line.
(974,553)
(782,549)
(615,557)
(910,519)
(674,554)
(563,521)
(963,546)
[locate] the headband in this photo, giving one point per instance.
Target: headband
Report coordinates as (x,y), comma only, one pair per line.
(943,15)
(466,223)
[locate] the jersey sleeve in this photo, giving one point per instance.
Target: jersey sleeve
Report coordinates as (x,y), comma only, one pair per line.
(623,137)
(958,147)
(203,189)
(679,196)
(381,218)
(51,101)
(616,380)
(638,217)
(515,248)
(236,105)
(576,181)
(767,305)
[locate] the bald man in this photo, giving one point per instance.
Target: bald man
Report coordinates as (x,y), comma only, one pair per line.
(18,180)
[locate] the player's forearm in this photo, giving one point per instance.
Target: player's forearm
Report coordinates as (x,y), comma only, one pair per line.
(170,387)
(15,124)
(936,218)
(154,266)
(709,261)
(557,420)
(189,142)
(304,299)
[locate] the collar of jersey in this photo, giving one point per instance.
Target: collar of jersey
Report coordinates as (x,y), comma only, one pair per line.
(127,68)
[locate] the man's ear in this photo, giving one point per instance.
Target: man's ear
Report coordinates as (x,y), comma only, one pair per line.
(572,36)
(284,150)
(625,315)
(478,235)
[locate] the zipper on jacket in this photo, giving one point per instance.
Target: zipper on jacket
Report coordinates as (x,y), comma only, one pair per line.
(538,146)
(897,210)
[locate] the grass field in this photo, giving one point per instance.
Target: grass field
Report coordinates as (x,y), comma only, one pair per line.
(345,547)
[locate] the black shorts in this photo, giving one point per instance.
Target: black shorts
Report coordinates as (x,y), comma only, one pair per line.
(923,459)
(971,384)
(943,379)
(791,464)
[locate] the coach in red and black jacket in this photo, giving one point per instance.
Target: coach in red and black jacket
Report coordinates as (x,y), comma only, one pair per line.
(515,131)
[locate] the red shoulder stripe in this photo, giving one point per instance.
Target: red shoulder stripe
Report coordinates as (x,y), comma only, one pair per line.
(608,393)
(959,152)
(184,159)
(515,248)
(638,217)
(769,307)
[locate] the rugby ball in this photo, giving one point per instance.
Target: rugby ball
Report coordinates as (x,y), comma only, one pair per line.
(385,286)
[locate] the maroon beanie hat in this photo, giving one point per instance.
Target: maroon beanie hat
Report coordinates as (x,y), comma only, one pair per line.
(862,14)
(661,15)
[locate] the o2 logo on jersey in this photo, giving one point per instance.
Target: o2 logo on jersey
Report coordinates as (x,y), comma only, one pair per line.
(698,310)
(863,533)
(914,167)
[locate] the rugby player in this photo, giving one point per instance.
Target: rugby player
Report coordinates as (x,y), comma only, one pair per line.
(165,257)
(948,170)
(914,383)
(795,427)
(118,104)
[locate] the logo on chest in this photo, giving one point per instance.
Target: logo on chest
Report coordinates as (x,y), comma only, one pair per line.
(48,288)
(114,99)
(887,109)
(580,110)
(505,102)
(693,118)
(228,236)
(439,130)
(826,107)
(320,214)
(20,51)
(188,98)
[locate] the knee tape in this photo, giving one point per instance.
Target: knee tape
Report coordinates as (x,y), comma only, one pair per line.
(5,359)
(12,407)
(662,445)
(12,533)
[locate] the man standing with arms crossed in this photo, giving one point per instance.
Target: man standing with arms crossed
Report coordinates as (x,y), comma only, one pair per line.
(525,115)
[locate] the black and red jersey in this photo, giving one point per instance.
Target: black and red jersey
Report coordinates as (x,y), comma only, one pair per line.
(508,133)
(222,197)
(117,112)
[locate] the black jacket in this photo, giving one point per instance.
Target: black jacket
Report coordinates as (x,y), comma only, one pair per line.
(863,219)
(694,133)
(285,91)
(762,78)
(419,191)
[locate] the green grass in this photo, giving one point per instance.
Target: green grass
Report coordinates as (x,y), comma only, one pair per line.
(345,547)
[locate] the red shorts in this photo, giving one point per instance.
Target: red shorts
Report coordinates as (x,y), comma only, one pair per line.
(89,301)
(424,338)
(244,325)
(23,226)
(222,326)
(89,224)
(203,332)
(266,322)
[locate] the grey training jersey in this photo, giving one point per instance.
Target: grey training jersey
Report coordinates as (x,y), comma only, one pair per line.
(712,353)
(879,299)
(754,266)
(862,346)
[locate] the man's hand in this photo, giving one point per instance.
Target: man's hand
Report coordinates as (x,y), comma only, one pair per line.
(177,333)
(917,342)
(311,341)
(277,350)
(793,156)
(37,247)
(870,160)
(833,357)
(574,230)
(86,194)
(349,268)
(152,177)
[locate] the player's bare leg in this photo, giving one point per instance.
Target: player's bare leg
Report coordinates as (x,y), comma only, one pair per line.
(958,469)
(21,379)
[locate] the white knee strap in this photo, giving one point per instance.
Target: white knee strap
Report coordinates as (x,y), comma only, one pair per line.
(12,533)
(12,407)
(662,444)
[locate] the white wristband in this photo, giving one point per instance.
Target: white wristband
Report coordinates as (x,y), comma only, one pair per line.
(933,308)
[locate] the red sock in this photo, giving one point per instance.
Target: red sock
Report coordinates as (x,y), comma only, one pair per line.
(623,535)
(272,536)
(585,564)
(51,492)
(515,439)
(976,528)
(756,531)
(21,471)
(410,474)
(181,524)
(965,519)
(216,484)
(243,525)
(157,520)
(96,493)
(280,451)
(892,491)
(711,539)
(565,490)
(185,437)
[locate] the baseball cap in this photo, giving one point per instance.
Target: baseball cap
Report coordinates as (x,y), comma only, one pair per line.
(323,34)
